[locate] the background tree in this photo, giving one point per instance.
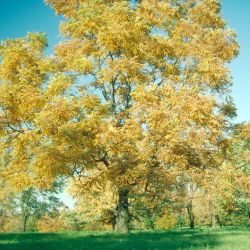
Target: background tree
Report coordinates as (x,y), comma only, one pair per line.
(34,204)
(239,157)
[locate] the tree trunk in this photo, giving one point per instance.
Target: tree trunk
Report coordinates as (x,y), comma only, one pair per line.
(190,215)
(122,213)
(219,220)
(216,220)
(113,223)
(25,219)
(150,224)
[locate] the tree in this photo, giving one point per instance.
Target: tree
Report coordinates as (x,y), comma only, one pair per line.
(134,96)
(239,156)
(8,213)
(35,204)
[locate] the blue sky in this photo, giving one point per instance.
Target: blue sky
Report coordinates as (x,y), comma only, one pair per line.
(236,12)
(17,17)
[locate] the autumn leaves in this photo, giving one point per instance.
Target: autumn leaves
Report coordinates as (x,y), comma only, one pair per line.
(129,100)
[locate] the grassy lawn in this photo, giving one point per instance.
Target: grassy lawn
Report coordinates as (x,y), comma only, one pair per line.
(238,239)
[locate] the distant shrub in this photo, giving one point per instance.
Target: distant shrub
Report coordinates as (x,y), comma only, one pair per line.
(50,224)
(9,224)
(236,220)
(166,221)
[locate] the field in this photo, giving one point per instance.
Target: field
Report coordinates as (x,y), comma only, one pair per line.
(225,239)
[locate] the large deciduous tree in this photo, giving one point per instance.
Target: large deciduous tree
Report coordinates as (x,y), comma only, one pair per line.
(135,97)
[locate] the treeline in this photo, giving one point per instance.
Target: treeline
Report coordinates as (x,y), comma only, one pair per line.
(33,211)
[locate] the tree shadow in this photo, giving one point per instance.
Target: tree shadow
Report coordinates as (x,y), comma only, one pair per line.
(174,240)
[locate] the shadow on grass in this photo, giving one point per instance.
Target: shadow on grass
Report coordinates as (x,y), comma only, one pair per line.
(174,240)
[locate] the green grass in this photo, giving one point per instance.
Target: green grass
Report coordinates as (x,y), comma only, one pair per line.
(226,239)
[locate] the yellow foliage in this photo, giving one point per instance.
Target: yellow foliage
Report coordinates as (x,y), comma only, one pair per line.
(167,221)
(128,102)
(9,223)
(50,224)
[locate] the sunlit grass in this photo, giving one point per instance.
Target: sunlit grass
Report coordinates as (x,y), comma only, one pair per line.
(226,239)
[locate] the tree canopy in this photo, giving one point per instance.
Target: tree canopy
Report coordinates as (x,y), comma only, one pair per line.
(134,100)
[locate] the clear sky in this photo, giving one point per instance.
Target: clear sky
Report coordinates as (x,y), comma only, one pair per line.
(17,17)
(236,12)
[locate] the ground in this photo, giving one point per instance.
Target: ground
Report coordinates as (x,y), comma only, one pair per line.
(198,239)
